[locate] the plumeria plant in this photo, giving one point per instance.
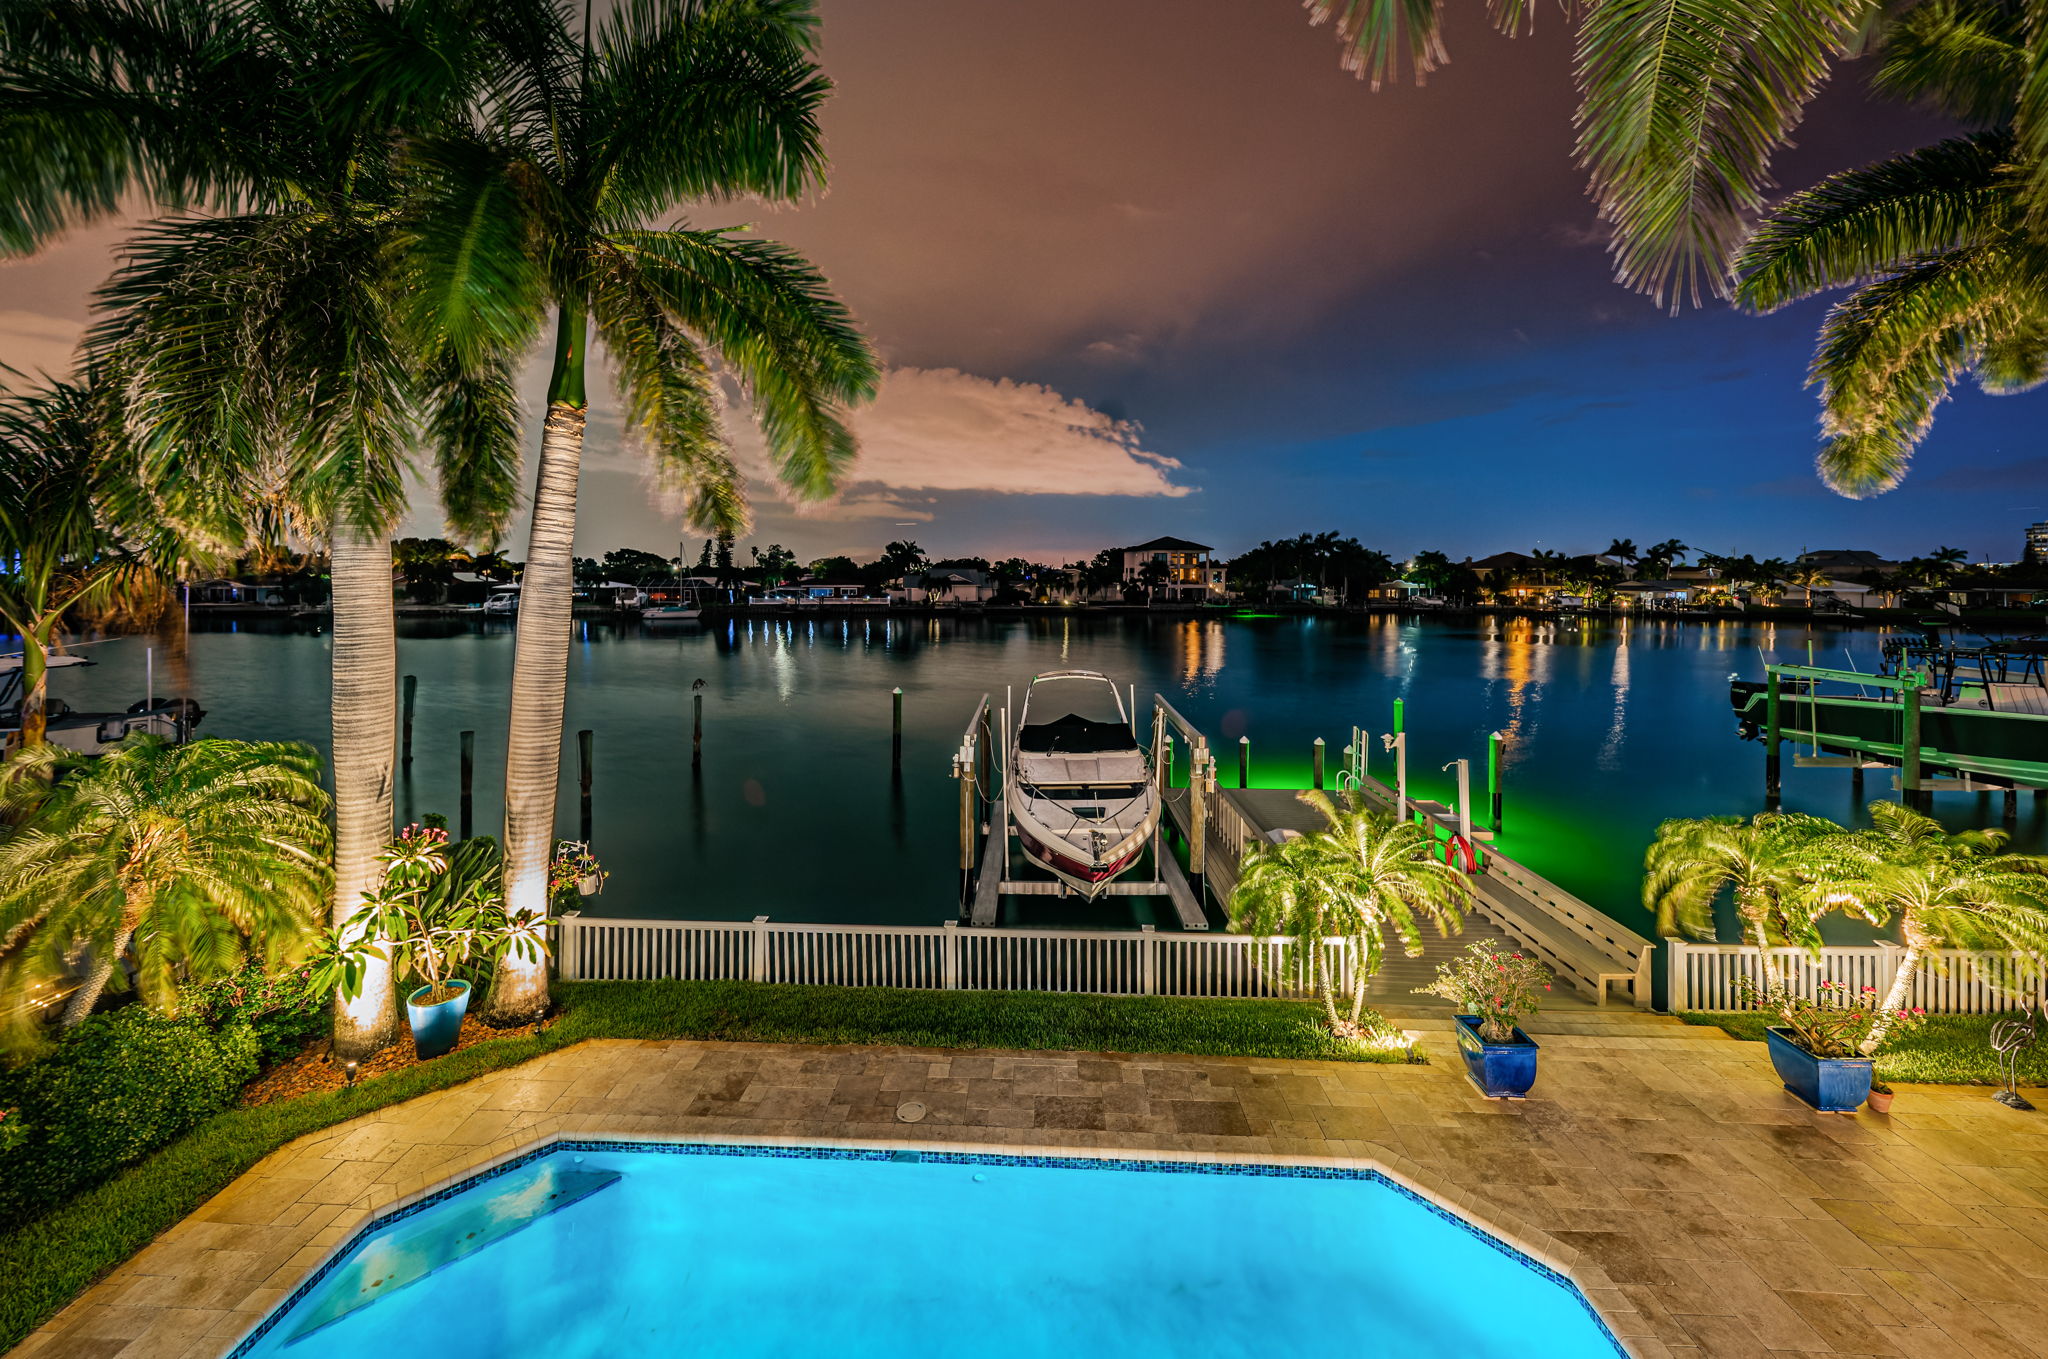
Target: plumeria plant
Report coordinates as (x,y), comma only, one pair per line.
(1836,1022)
(436,911)
(573,862)
(1493,983)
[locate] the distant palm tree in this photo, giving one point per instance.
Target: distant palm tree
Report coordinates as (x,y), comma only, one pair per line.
(195,856)
(1779,867)
(1624,551)
(1364,873)
(1662,556)
(1806,576)
(1946,890)
(71,527)
(541,204)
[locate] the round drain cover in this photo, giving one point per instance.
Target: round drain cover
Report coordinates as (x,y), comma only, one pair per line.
(911,1112)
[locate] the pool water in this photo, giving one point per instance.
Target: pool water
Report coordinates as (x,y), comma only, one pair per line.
(593,1249)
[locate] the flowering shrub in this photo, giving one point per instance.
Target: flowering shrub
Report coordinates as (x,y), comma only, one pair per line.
(1834,1025)
(1493,983)
(572,863)
(284,1009)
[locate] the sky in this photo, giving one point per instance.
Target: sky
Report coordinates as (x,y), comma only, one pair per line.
(1144,267)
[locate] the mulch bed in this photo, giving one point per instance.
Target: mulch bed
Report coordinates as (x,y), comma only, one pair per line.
(314,1070)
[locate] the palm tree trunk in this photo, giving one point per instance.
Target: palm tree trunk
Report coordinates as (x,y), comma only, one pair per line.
(365,721)
(1322,984)
(540,677)
(1896,997)
(81,1003)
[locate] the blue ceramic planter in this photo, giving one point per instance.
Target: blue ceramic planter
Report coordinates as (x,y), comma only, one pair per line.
(1833,1085)
(436,1027)
(1500,1070)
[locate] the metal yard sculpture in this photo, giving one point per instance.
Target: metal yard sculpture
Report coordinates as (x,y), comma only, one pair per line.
(2010,1037)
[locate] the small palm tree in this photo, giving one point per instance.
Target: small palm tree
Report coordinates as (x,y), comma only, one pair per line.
(1947,890)
(195,856)
(1362,874)
(1781,867)
(1806,576)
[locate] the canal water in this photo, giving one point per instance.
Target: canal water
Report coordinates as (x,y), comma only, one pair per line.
(1612,726)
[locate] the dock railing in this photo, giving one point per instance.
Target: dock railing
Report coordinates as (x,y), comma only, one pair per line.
(930,957)
(1950,981)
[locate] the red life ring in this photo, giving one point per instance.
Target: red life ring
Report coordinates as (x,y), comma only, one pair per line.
(1456,845)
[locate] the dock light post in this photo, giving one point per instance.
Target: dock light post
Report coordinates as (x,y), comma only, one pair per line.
(1244,761)
(1397,741)
(1464,768)
(1494,746)
(1319,762)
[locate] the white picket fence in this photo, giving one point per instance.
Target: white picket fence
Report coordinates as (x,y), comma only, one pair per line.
(928,957)
(1955,981)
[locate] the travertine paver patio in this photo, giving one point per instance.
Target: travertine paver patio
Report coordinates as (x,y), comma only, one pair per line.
(1703,1210)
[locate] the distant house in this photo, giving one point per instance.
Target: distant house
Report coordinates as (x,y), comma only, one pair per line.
(944,585)
(825,587)
(238,593)
(1179,569)
(1645,594)
(1501,567)
(1846,561)
(1516,577)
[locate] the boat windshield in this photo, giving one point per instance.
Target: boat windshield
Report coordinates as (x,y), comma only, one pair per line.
(1074,734)
(1090,792)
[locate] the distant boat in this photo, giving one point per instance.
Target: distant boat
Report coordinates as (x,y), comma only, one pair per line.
(92,733)
(684,612)
(503,601)
(1079,786)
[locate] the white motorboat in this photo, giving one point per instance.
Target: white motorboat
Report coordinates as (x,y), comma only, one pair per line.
(503,601)
(1079,786)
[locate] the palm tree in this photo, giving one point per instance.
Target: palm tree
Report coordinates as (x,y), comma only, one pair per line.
(65,502)
(194,855)
(1946,890)
(1806,576)
(542,203)
(263,348)
(1624,551)
(1939,246)
(1662,556)
(1364,873)
(1781,868)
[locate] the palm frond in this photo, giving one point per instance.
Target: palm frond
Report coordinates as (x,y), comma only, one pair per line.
(1963,58)
(471,420)
(1683,104)
(773,320)
(468,268)
(1858,225)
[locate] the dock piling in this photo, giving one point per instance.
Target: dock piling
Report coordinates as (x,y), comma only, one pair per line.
(1772,731)
(696,731)
(412,692)
(1244,761)
(467,819)
(896,729)
(583,741)
(1318,762)
(2012,806)
(1494,743)
(1909,753)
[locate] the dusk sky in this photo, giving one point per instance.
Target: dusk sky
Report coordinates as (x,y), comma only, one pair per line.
(1162,266)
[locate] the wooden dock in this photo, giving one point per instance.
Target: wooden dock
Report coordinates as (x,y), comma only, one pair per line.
(1584,948)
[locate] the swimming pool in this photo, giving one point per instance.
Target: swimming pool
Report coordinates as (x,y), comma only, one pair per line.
(604,1248)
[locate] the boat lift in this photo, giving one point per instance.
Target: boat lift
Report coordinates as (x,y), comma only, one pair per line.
(986,828)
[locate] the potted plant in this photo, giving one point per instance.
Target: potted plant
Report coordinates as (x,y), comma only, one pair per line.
(1880,1100)
(434,914)
(575,866)
(1494,989)
(1817,1049)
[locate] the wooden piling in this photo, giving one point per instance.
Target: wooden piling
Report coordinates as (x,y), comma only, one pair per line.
(1909,753)
(1494,745)
(467,819)
(583,743)
(1244,761)
(2012,806)
(896,729)
(411,689)
(1318,763)
(1773,783)
(696,731)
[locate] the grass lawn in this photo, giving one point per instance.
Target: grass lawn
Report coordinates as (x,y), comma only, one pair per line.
(1946,1050)
(46,1263)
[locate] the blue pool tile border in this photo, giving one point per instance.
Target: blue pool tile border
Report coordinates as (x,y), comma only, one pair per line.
(958,1158)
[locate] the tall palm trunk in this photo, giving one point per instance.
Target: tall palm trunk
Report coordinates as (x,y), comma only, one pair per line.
(1895,998)
(365,688)
(35,688)
(82,1001)
(540,677)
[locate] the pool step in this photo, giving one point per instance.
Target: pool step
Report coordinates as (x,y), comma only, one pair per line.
(416,1247)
